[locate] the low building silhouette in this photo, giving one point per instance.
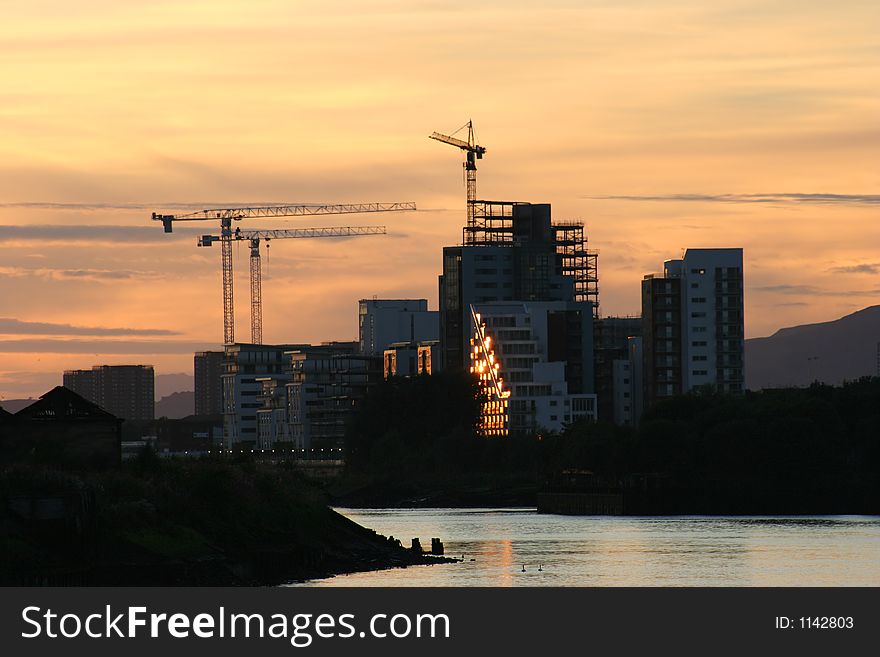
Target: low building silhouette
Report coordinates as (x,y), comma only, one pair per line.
(61,428)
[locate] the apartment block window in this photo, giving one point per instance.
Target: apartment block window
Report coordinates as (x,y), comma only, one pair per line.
(699,358)
(699,372)
(698,271)
(698,315)
(694,286)
(698,343)
(698,299)
(699,329)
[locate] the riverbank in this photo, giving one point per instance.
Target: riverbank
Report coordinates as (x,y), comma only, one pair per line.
(477,490)
(167,523)
(599,551)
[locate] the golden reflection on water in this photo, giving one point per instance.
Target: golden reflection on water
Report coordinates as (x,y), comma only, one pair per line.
(626,551)
(499,560)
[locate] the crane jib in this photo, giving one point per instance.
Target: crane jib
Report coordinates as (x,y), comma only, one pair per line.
(227,215)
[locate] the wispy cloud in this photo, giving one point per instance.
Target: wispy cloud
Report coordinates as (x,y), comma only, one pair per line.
(812,290)
(87,233)
(786,198)
(864,268)
(9,326)
(100,347)
(77,274)
(161,206)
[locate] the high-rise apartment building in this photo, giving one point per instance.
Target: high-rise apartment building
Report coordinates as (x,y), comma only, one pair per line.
(627,389)
(244,367)
(299,395)
(325,387)
(126,391)
(409,358)
(306,407)
(611,344)
(517,254)
(534,361)
(383,322)
(208,377)
(693,324)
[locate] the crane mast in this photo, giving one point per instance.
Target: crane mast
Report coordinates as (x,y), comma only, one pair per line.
(256,293)
(227,235)
(473,152)
(256,275)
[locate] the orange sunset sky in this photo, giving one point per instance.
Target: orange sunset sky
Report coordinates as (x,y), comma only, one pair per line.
(662,125)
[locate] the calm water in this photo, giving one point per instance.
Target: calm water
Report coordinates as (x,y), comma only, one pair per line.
(626,551)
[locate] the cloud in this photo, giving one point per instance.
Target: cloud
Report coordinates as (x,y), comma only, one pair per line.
(49,205)
(77,274)
(788,289)
(101,347)
(865,268)
(787,198)
(87,233)
(9,326)
(813,291)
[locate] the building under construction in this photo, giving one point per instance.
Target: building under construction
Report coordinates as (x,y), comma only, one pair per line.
(491,223)
(511,251)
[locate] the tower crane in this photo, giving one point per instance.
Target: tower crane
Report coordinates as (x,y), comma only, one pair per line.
(256,277)
(473,152)
(227,235)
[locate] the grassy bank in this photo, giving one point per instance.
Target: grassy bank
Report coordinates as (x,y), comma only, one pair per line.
(155,522)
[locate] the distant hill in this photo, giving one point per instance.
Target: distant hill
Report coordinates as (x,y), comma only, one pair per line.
(176,405)
(167,384)
(15,405)
(830,352)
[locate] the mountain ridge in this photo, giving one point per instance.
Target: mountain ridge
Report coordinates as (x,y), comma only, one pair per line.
(830,352)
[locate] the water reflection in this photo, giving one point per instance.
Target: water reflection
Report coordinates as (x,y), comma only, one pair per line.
(627,551)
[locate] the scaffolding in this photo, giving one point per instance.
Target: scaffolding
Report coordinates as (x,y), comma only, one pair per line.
(490,223)
(578,262)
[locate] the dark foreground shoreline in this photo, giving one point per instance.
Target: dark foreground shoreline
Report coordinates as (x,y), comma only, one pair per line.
(200,523)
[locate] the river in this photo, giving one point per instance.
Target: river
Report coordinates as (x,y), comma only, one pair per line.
(626,551)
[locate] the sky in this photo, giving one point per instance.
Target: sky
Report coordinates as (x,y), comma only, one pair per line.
(662,125)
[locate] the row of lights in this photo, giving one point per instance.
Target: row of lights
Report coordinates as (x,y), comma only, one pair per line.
(263,451)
